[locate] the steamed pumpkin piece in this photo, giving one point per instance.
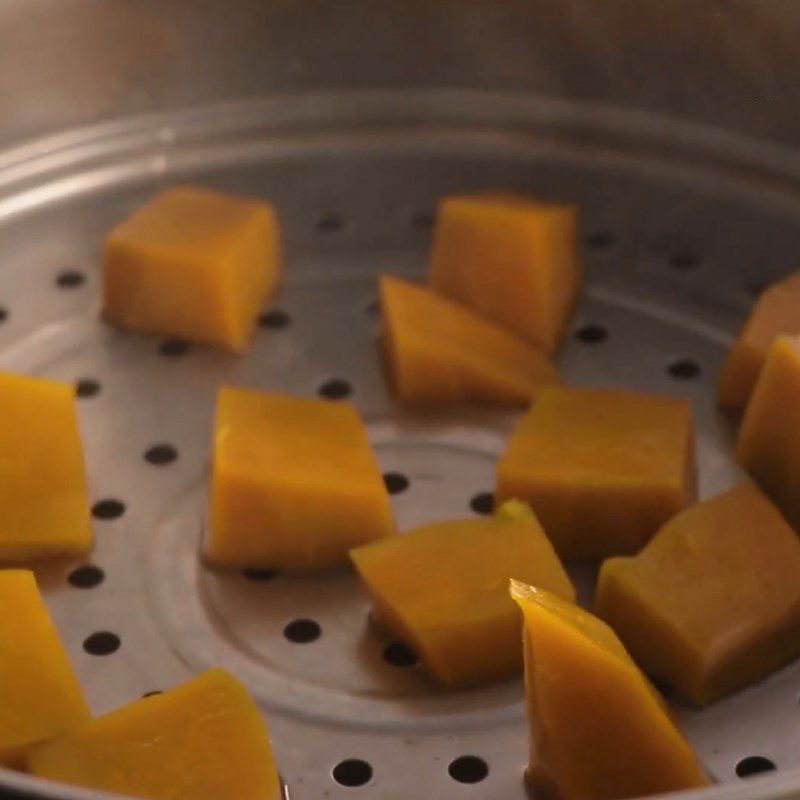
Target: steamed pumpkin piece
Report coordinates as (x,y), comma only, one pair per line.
(768,446)
(599,730)
(193,263)
(44,503)
(512,259)
(443,589)
(295,483)
(440,352)
(602,468)
(712,603)
(202,740)
(776,312)
(39,694)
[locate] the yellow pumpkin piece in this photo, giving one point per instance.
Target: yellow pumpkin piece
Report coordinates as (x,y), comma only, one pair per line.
(295,483)
(602,469)
(712,603)
(193,263)
(440,352)
(39,694)
(44,504)
(777,311)
(202,740)
(443,589)
(511,258)
(599,731)
(515,511)
(768,446)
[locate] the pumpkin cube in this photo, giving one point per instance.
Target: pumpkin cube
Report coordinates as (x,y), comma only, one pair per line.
(443,589)
(511,258)
(193,263)
(777,311)
(602,469)
(202,740)
(295,484)
(599,730)
(768,446)
(437,351)
(712,602)
(39,694)
(44,503)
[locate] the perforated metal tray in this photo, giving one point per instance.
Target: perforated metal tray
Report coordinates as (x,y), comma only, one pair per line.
(682,225)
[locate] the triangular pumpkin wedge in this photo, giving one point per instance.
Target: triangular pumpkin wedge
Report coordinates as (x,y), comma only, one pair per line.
(438,352)
(599,730)
(443,589)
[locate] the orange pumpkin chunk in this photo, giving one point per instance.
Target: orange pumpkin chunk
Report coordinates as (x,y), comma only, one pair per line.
(295,483)
(440,352)
(599,731)
(202,740)
(193,263)
(44,501)
(777,311)
(443,589)
(602,469)
(39,694)
(510,258)
(712,603)
(768,446)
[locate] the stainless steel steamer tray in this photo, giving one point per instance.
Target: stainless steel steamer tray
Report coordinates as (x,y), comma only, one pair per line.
(682,225)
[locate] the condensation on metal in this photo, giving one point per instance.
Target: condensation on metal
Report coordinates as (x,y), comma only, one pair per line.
(675,248)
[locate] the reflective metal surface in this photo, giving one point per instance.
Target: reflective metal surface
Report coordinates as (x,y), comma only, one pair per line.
(673,125)
(675,242)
